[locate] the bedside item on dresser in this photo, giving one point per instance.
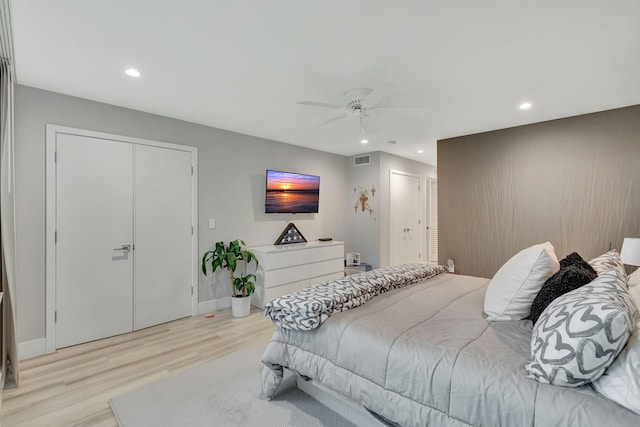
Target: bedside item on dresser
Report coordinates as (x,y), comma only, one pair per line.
(353,258)
(291,234)
(325,239)
(630,252)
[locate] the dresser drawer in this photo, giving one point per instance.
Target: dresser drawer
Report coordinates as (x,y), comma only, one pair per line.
(285,275)
(322,253)
(286,258)
(322,268)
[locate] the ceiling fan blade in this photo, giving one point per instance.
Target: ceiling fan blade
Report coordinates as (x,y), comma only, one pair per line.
(401,107)
(320,104)
(332,120)
(380,94)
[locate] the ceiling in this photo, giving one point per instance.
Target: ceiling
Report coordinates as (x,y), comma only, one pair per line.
(245,65)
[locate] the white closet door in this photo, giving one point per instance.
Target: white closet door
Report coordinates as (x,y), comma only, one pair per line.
(94,215)
(163,235)
(405,218)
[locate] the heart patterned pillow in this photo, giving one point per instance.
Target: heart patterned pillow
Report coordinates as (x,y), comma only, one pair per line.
(579,334)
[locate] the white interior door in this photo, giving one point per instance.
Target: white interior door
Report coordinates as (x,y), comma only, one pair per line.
(94,215)
(404,216)
(163,235)
(120,245)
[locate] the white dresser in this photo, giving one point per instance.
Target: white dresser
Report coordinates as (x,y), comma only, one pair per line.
(287,268)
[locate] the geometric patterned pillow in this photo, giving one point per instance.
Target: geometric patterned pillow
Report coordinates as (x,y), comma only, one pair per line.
(609,261)
(579,334)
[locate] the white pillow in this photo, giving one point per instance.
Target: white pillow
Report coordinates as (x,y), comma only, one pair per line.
(635,293)
(621,382)
(514,287)
(633,281)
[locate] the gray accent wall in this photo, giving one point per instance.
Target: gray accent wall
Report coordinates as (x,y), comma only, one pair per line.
(574,182)
(231,186)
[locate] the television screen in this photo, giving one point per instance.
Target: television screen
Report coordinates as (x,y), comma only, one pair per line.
(288,192)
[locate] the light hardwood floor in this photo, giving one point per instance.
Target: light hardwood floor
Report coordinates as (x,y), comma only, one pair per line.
(72,386)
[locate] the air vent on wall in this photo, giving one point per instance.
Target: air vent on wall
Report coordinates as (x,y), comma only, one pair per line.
(362,160)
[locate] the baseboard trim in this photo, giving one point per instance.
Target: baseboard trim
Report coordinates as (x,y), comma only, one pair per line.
(213,305)
(33,348)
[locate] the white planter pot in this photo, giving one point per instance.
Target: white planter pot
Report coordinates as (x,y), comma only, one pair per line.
(240,306)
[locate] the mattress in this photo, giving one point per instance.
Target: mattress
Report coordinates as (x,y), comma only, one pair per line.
(426,355)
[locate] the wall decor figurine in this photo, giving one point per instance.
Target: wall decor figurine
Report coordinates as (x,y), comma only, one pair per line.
(362,198)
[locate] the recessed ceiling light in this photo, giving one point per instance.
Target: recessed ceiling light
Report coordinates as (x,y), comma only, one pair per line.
(132,72)
(420,151)
(364,141)
(525,105)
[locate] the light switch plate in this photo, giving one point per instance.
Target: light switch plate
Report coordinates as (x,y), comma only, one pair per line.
(212,224)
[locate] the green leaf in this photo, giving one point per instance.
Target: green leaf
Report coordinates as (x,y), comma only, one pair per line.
(205,259)
(216,263)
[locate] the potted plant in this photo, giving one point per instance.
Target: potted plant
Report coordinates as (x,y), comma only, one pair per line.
(226,257)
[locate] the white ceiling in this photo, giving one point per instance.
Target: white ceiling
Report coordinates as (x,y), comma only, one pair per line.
(245,65)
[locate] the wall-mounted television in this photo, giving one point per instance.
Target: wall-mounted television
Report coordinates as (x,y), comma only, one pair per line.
(288,192)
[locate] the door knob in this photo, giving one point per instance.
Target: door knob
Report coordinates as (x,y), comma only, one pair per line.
(125,248)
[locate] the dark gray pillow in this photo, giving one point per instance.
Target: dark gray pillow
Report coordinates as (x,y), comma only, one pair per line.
(575,259)
(574,272)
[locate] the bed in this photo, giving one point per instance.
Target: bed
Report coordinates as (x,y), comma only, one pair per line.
(424,354)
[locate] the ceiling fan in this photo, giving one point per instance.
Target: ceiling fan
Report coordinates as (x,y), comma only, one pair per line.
(360,102)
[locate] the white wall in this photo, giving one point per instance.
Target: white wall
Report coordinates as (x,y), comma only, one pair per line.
(363,228)
(389,162)
(371,238)
(231,186)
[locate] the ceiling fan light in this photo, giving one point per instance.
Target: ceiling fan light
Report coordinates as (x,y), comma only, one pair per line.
(420,151)
(525,105)
(132,72)
(364,141)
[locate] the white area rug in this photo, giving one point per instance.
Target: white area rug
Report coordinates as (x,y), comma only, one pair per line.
(223,392)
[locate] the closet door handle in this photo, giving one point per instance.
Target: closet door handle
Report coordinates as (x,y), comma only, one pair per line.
(125,248)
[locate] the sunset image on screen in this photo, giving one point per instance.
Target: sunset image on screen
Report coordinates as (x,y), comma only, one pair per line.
(286,181)
(291,192)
